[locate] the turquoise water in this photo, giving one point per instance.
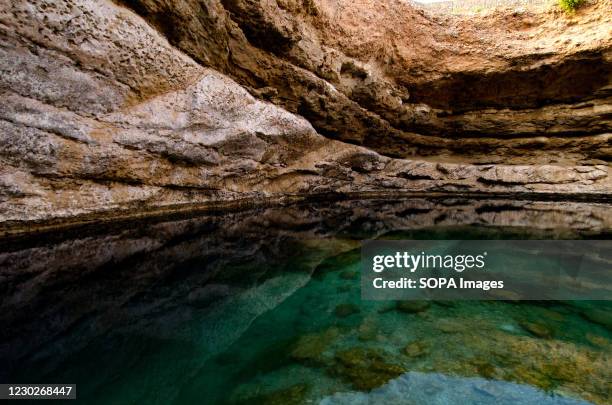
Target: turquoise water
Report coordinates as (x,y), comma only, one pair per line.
(265,307)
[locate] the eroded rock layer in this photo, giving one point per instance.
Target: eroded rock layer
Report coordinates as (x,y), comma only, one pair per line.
(193,102)
(500,88)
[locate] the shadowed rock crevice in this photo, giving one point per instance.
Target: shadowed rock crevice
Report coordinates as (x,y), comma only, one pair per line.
(581,77)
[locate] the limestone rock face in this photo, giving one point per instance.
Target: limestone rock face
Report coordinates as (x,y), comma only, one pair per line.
(106,110)
(411,83)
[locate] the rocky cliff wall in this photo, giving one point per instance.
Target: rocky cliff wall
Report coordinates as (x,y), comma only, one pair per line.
(136,105)
(403,82)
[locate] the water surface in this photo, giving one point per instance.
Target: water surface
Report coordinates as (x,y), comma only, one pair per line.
(264,306)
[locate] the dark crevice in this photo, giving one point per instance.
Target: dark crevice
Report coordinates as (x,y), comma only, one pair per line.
(573,80)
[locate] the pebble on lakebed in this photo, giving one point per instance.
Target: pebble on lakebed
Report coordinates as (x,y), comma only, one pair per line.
(415,349)
(365,369)
(412,307)
(309,348)
(345,310)
(537,329)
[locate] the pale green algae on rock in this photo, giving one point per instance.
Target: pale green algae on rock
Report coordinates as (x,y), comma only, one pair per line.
(221,313)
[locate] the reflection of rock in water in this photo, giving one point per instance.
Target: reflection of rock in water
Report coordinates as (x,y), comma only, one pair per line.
(61,291)
(438,389)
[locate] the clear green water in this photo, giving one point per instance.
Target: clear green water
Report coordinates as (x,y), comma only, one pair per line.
(218,311)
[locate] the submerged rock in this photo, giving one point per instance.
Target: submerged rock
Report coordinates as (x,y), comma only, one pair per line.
(364,369)
(598,340)
(599,316)
(345,310)
(412,307)
(368,331)
(309,348)
(415,349)
(537,329)
(449,325)
(438,389)
(293,395)
(485,368)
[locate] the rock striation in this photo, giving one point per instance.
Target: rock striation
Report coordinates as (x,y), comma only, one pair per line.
(403,82)
(144,104)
